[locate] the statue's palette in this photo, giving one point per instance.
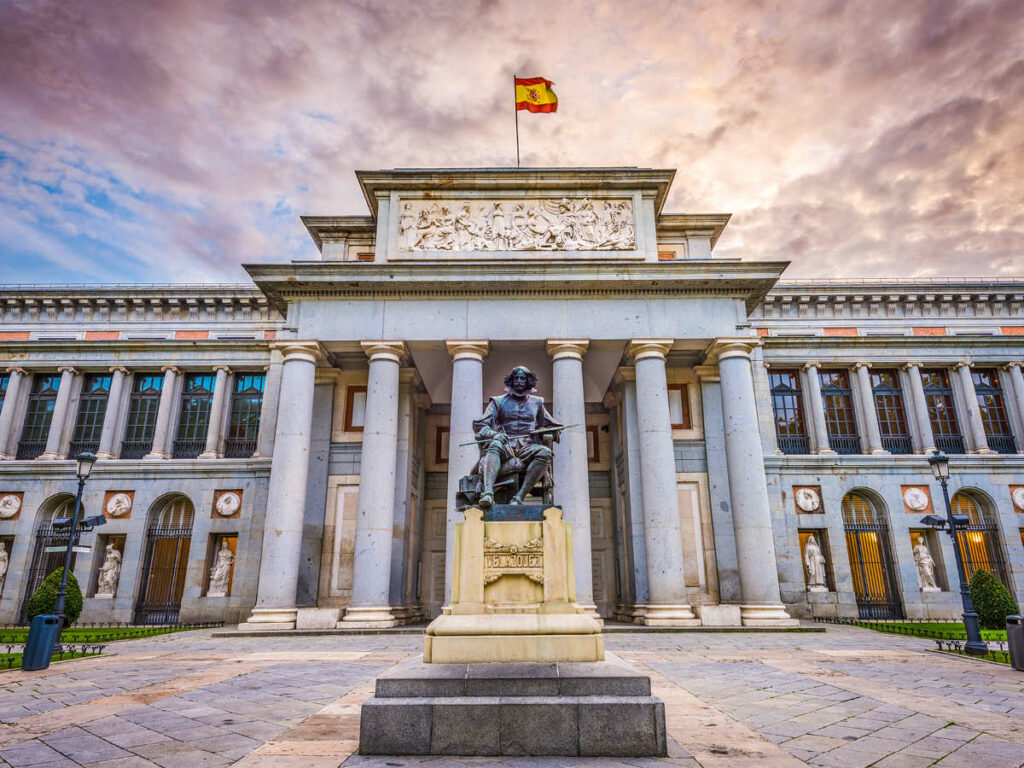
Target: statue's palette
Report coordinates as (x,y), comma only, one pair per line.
(515,513)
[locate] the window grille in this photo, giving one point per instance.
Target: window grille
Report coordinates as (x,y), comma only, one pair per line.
(840,420)
(979,539)
(244,420)
(871,565)
(92,408)
(892,418)
(165,564)
(989,392)
(196,401)
(142,410)
(41,402)
(788,406)
(938,396)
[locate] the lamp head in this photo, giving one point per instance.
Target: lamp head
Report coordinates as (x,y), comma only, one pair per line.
(940,465)
(95,520)
(85,462)
(933,521)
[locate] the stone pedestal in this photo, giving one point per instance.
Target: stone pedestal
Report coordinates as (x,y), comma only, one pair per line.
(513,593)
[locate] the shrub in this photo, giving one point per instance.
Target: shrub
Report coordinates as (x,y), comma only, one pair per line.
(991,599)
(44,599)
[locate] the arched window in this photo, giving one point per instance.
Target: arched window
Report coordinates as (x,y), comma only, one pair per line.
(166,561)
(44,563)
(979,540)
(867,544)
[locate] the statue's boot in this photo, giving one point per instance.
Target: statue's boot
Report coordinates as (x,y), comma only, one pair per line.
(534,472)
(489,470)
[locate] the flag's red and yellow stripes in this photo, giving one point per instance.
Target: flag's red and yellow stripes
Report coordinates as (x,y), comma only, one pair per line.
(534,94)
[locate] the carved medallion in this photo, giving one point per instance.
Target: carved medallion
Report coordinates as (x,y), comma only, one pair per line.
(119,505)
(564,224)
(915,499)
(10,505)
(808,499)
(227,503)
(506,559)
(1017,494)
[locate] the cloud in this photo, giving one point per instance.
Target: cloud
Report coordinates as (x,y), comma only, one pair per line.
(176,140)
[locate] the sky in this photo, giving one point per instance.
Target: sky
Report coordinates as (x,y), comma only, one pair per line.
(173,141)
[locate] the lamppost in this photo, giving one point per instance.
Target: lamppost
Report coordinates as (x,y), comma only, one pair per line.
(940,468)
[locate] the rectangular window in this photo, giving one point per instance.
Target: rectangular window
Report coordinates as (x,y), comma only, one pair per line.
(355,408)
(679,406)
(840,420)
(38,416)
(142,409)
(244,419)
(892,418)
(788,406)
(938,396)
(92,407)
(194,421)
(989,392)
(5,379)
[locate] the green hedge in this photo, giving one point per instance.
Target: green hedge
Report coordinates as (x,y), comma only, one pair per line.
(44,599)
(991,599)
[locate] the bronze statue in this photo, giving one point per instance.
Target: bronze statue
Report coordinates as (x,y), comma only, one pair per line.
(515,435)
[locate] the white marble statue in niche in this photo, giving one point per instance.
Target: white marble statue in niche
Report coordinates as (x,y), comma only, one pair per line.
(221,571)
(814,562)
(5,560)
(568,224)
(925,566)
(109,573)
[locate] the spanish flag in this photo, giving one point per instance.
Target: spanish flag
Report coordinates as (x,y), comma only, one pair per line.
(534,94)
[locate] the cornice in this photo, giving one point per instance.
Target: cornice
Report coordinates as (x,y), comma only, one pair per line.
(137,346)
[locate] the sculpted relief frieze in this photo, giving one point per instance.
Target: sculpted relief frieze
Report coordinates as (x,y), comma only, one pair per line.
(564,224)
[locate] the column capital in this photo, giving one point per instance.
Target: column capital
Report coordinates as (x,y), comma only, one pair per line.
(121,368)
(468,349)
(67,369)
(639,349)
(811,364)
(224,368)
(1013,364)
(170,369)
(724,348)
(911,365)
(327,375)
(409,376)
(707,372)
(573,348)
(309,351)
(611,399)
(624,373)
(963,364)
(393,350)
(857,366)
(16,369)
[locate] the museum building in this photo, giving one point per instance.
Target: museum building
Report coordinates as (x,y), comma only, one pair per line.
(742,450)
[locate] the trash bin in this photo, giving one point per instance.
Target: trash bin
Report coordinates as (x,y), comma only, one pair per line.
(42,636)
(1015,641)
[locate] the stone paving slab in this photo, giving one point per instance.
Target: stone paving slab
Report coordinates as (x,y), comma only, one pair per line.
(846,698)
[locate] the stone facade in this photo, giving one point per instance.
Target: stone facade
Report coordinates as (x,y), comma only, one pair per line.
(726,415)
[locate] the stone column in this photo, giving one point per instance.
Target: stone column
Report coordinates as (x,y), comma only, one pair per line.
(371,569)
(920,405)
(751,519)
(817,408)
(467,404)
(113,413)
(634,491)
(286,494)
(1016,377)
(216,423)
(867,406)
(60,415)
(977,426)
(163,414)
(572,477)
(666,585)
(17,376)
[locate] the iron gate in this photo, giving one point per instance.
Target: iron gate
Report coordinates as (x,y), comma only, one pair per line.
(44,563)
(874,581)
(163,575)
(979,549)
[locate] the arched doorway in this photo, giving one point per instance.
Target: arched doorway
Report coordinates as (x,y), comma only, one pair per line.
(867,543)
(166,561)
(48,538)
(979,540)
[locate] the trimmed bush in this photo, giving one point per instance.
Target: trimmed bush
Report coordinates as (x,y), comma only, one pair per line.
(44,599)
(991,599)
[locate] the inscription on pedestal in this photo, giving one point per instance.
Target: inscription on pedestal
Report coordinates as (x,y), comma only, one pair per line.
(507,559)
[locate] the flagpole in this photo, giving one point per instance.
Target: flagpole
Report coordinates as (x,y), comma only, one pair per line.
(515,108)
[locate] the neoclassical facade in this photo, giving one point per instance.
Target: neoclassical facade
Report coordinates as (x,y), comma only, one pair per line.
(748,450)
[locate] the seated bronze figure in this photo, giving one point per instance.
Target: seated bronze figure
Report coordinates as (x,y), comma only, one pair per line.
(515,435)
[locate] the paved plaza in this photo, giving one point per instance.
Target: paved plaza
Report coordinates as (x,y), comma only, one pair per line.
(846,698)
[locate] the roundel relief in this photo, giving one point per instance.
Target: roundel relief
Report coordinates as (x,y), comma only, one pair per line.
(808,500)
(915,499)
(10,505)
(119,505)
(1018,498)
(228,504)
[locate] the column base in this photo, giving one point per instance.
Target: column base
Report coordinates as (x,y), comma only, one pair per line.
(207,455)
(668,615)
(766,616)
(105,455)
(984,451)
(155,456)
(878,452)
(721,615)
(48,456)
(826,452)
(590,609)
(371,616)
(271,618)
